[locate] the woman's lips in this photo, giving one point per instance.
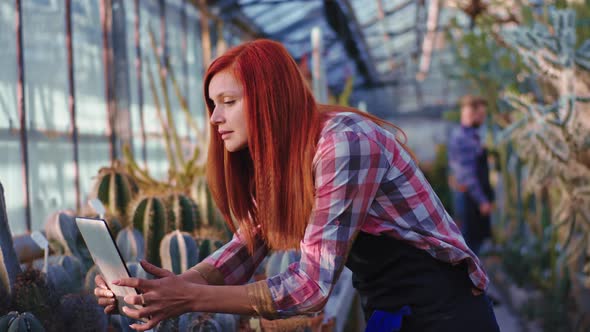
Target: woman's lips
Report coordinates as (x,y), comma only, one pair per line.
(225,134)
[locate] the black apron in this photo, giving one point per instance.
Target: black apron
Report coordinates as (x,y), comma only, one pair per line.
(390,274)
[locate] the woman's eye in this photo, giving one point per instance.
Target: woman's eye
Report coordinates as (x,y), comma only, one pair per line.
(229,102)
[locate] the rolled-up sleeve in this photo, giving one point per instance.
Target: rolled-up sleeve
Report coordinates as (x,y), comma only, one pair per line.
(232,264)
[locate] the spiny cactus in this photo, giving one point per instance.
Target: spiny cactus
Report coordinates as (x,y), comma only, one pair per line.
(183,213)
(207,247)
(82,313)
(148,215)
(178,252)
(131,244)
(25,322)
(69,266)
(121,323)
(553,139)
(61,228)
(228,322)
(33,293)
(199,322)
(170,324)
(115,189)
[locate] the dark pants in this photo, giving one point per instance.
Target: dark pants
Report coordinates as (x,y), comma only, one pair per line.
(474,226)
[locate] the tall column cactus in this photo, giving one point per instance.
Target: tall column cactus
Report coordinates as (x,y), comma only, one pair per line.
(9,266)
(555,139)
(183,213)
(115,189)
(148,216)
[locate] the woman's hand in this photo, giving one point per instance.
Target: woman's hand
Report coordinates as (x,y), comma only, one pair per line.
(106,298)
(169,296)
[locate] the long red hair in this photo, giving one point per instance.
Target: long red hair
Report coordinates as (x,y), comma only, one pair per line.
(270,184)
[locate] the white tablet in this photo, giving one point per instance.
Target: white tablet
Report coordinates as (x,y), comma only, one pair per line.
(106,255)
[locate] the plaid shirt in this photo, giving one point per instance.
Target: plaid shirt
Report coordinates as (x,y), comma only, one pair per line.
(365,181)
(464,149)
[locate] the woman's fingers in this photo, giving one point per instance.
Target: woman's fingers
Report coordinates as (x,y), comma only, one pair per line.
(99,281)
(136,299)
(101,292)
(110,309)
(154,270)
(132,282)
(103,302)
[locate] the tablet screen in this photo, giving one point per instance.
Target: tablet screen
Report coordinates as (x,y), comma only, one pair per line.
(106,255)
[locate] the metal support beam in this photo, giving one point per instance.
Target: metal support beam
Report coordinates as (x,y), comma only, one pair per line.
(22,111)
(342,19)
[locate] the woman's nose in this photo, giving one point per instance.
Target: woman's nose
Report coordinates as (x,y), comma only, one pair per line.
(217,117)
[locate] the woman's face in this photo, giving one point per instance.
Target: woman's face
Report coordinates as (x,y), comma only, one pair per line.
(228,115)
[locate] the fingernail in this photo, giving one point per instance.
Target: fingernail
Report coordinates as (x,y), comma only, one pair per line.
(126,299)
(116,282)
(110,294)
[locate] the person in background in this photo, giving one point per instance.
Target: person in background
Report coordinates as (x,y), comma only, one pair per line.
(473,195)
(289,173)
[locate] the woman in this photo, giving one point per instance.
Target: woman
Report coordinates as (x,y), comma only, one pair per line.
(329,181)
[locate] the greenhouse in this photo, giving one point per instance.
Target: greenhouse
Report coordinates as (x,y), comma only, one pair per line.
(295,165)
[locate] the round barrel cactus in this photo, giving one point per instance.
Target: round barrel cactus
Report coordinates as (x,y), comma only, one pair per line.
(183,213)
(228,322)
(148,215)
(178,252)
(61,228)
(15,322)
(72,267)
(131,244)
(115,189)
(82,313)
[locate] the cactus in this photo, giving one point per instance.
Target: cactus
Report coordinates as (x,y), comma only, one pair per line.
(121,323)
(170,324)
(115,189)
(61,228)
(33,293)
(60,267)
(228,322)
(199,322)
(553,138)
(183,213)
(205,248)
(131,244)
(82,313)
(59,279)
(178,252)
(15,322)
(9,266)
(148,215)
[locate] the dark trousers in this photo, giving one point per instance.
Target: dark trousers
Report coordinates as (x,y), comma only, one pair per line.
(474,226)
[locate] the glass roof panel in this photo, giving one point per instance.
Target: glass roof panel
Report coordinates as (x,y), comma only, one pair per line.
(389,5)
(401,18)
(365,10)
